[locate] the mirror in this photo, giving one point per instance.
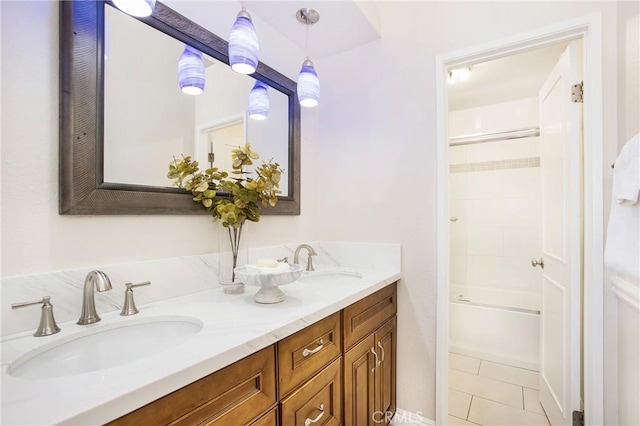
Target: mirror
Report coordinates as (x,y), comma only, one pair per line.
(160,121)
(122,120)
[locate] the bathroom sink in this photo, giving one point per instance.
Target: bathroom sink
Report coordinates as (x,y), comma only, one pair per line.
(105,347)
(330,277)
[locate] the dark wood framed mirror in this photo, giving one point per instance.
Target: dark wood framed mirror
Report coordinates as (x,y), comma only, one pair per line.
(82,185)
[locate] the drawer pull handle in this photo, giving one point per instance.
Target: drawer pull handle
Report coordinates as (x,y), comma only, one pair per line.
(309,421)
(382,350)
(307,352)
(377,363)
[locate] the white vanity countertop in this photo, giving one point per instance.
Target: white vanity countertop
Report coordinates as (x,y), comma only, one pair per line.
(234,326)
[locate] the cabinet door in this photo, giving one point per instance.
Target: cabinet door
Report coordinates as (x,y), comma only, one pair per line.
(359,378)
(317,402)
(385,384)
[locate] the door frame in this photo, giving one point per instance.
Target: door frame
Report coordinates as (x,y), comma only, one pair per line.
(202,129)
(589,29)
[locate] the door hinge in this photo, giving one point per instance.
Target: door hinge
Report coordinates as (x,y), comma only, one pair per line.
(577,93)
(578,418)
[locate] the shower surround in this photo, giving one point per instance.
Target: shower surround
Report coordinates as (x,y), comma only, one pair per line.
(495,231)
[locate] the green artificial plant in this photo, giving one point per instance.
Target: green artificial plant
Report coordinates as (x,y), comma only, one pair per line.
(242,195)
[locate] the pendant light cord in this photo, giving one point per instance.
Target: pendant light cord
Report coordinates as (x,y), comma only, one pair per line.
(306,41)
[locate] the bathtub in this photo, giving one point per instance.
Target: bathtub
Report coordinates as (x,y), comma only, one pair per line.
(495,325)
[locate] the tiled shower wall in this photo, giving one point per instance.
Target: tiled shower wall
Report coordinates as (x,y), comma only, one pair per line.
(495,197)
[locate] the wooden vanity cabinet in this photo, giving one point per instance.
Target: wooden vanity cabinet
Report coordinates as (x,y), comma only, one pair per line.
(340,370)
(370,363)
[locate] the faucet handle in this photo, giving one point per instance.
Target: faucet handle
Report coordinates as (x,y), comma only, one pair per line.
(48,324)
(283,260)
(310,261)
(129,307)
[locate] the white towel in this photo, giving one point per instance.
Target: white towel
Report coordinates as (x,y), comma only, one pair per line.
(622,251)
(626,173)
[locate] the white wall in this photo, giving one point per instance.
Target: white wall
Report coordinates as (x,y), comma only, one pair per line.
(34,237)
(622,323)
(628,69)
(378,137)
(628,364)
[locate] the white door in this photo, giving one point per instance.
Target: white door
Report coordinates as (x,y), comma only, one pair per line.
(561,171)
(223,141)
(220,140)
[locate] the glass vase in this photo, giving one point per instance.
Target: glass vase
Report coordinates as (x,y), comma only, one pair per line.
(233,252)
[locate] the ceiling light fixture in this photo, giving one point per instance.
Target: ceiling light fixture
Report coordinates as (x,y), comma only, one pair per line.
(259,101)
(191,75)
(139,8)
(243,44)
(459,74)
(308,82)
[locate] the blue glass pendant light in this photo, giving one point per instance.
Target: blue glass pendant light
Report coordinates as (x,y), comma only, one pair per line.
(308,85)
(140,8)
(243,44)
(308,82)
(191,71)
(259,101)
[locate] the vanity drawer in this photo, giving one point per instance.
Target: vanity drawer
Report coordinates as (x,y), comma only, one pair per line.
(308,351)
(237,394)
(364,316)
(269,419)
(320,399)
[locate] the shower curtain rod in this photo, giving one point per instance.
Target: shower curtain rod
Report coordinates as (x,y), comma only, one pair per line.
(492,137)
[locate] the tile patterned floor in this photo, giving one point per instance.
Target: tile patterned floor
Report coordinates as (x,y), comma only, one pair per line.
(487,394)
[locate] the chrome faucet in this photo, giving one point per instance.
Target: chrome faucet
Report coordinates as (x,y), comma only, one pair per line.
(99,281)
(311,251)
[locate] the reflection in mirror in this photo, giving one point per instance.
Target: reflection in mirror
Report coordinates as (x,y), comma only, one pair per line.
(148,120)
